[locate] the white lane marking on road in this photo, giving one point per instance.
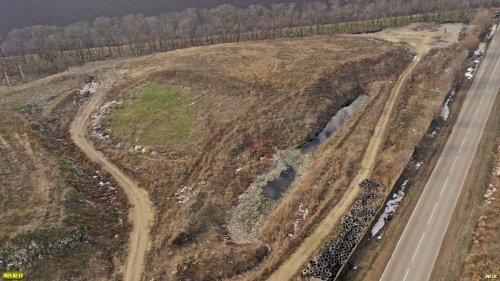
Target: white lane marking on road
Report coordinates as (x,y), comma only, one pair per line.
(481,101)
(469,128)
(475,112)
(461,145)
(418,246)
(408,270)
(452,166)
(442,189)
(434,209)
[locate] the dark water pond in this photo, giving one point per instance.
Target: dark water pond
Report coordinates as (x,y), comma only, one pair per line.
(333,125)
(275,188)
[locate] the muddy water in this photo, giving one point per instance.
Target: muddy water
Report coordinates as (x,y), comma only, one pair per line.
(275,188)
(333,125)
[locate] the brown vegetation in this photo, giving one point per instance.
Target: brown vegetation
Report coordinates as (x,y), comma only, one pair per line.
(58,221)
(246,101)
(249,100)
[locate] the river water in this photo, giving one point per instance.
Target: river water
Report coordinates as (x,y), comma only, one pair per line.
(337,121)
(275,188)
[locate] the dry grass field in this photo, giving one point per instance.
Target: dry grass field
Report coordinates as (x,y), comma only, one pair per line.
(195,128)
(60,213)
(483,258)
(242,103)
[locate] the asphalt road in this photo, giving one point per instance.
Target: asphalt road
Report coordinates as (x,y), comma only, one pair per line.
(417,250)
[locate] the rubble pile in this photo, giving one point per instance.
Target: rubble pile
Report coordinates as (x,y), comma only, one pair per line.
(15,257)
(88,90)
(99,117)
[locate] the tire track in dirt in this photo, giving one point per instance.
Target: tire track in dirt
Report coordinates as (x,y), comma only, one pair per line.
(141,215)
(293,265)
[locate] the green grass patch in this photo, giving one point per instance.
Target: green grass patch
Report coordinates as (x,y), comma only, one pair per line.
(157,114)
(64,164)
(433,95)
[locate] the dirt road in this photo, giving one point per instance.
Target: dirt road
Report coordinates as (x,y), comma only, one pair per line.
(141,215)
(421,41)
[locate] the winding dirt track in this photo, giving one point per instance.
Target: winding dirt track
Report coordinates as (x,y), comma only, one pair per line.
(141,215)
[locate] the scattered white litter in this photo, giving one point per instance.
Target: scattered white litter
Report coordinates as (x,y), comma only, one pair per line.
(390,208)
(470,73)
(492,31)
(488,195)
(480,49)
(238,170)
(89,88)
(433,134)
(445,111)
(98,118)
(416,132)
(418,165)
(295,226)
(496,171)
(182,195)
(303,213)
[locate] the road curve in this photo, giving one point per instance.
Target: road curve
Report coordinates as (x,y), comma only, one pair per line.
(141,215)
(416,252)
(294,264)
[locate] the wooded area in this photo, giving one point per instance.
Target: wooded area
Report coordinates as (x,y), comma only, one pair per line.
(40,50)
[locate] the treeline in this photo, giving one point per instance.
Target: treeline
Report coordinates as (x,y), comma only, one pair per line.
(40,50)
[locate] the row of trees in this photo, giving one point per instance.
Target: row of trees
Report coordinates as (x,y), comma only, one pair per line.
(47,49)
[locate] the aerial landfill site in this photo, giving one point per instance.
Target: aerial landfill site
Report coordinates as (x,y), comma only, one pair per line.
(301,152)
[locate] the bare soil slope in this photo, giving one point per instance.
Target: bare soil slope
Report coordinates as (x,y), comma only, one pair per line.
(246,101)
(62,217)
(249,101)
